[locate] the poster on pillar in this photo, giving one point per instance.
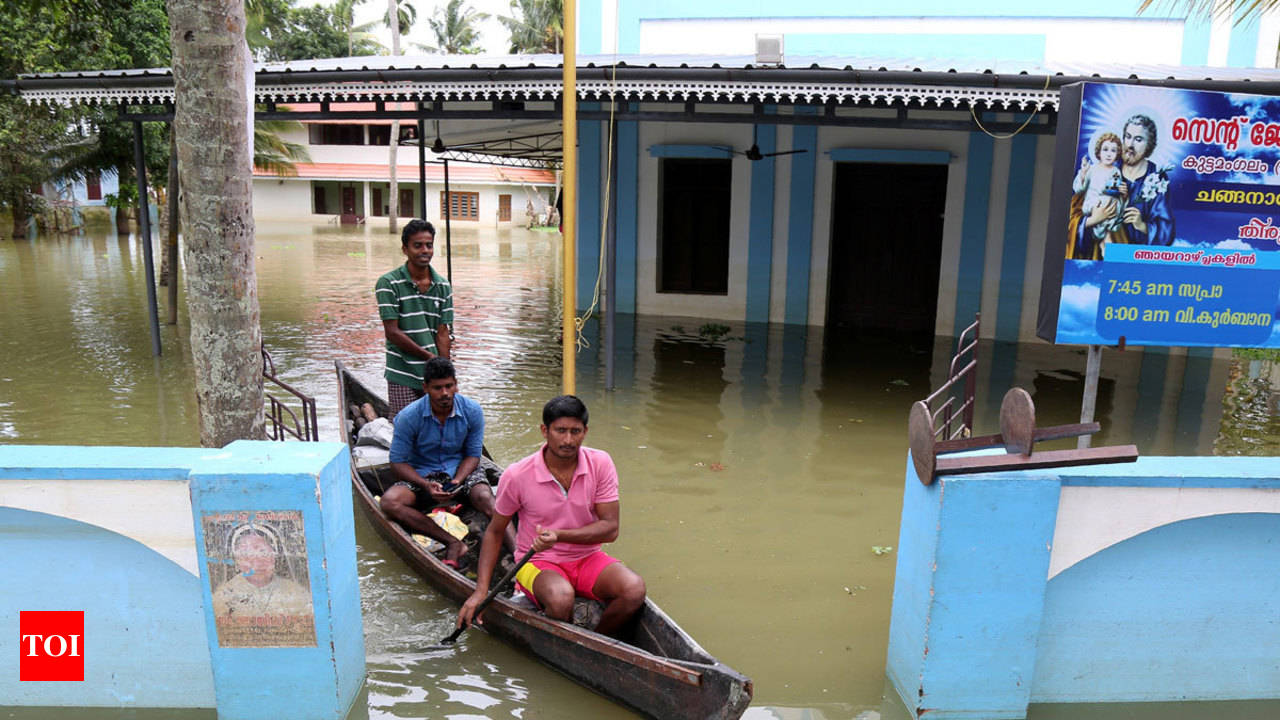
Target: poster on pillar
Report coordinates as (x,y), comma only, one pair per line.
(1164,220)
(258,578)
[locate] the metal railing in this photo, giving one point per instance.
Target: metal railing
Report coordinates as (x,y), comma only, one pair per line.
(967,345)
(282,422)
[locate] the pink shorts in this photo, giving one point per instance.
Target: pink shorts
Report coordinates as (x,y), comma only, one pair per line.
(581,574)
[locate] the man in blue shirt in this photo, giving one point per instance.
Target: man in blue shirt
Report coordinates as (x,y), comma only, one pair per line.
(436,456)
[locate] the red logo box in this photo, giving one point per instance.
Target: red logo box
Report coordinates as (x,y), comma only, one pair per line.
(51,645)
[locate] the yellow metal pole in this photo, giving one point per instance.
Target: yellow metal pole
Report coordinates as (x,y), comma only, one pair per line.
(569,215)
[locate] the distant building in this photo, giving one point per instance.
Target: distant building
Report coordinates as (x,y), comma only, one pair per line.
(91,191)
(348,179)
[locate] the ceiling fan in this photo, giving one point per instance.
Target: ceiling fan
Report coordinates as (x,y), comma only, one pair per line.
(753,153)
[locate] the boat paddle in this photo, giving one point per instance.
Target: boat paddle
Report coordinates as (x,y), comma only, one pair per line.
(492,594)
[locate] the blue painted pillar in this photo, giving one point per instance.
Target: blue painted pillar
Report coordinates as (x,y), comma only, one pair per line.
(300,651)
(1192,399)
(973,556)
(590,186)
(755,366)
(628,199)
(800,224)
(1242,50)
(760,224)
(1017,226)
(973,229)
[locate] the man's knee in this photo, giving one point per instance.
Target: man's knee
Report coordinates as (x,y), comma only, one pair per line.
(556,599)
(396,501)
(632,589)
(481,497)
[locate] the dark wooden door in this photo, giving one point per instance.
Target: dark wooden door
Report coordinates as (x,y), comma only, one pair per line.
(377,203)
(504,208)
(348,201)
(886,246)
(406,203)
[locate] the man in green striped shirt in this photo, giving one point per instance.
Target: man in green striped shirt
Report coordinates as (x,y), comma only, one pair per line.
(416,307)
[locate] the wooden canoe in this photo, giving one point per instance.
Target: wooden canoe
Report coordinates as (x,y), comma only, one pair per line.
(661,672)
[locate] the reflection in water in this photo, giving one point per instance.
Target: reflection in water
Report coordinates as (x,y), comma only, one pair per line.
(1251,421)
(759,464)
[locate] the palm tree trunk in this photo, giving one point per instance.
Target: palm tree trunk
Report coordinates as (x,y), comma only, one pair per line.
(393,208)
(210,70)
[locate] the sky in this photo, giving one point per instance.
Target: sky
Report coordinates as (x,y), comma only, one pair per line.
(493,36)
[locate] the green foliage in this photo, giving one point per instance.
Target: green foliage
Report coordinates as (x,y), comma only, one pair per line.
(406,13)
(39,144)
(713,331)
(28,137)
(454,26)
(273,153)
(344,18)
(265,22)
(536,26)
(1272,354)
(1239,11)
(126,198)
(313,32)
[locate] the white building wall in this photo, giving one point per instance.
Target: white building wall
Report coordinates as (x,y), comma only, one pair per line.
(1268,39)
(1118,40)
(291,198)
(110,184)
(282,198)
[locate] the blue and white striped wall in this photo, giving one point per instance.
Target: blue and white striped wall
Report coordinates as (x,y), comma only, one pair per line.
(780,227)
(1141,582)
(1088,31)
(116,533)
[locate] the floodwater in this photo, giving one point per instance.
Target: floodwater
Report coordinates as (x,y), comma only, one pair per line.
(760,466)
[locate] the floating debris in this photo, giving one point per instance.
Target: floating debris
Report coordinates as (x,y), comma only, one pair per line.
(881,549)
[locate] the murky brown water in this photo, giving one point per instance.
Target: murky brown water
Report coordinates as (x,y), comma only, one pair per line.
(759,466)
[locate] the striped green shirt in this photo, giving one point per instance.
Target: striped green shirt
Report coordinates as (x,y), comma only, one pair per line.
(417,314)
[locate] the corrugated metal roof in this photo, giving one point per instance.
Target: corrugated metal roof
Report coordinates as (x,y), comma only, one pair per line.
(796,62)
(664,78)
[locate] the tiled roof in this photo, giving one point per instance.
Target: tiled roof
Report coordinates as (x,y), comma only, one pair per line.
(458,174)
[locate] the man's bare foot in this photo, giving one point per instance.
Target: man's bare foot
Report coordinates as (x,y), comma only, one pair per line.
(454,554)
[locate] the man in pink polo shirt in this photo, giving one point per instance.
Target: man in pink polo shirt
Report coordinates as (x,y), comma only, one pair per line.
(567,498)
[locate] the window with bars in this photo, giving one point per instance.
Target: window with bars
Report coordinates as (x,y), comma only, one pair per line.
(461,205)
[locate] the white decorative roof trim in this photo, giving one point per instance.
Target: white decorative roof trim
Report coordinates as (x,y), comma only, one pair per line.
(669,90)
(99,96)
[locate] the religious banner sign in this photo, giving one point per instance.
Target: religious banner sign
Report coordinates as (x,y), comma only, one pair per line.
(1164,221)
